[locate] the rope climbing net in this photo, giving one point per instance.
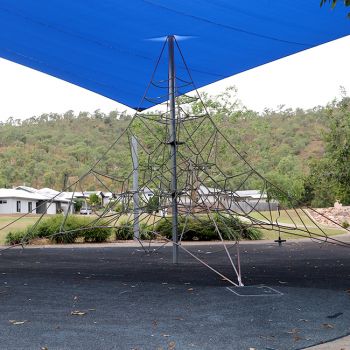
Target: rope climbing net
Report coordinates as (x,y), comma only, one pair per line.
(205,194)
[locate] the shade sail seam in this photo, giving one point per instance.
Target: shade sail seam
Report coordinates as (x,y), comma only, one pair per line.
(306,45)
(107,45)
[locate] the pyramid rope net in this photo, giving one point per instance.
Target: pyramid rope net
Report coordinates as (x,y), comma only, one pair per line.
(205,194)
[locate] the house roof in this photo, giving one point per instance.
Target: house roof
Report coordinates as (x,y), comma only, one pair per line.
(47,190)
(19,193)
(74,195)
(49,193)
(26,188)
(31,193)
(208,190)
(255,194)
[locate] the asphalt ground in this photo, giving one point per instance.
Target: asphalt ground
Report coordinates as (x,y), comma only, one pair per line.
(126,299)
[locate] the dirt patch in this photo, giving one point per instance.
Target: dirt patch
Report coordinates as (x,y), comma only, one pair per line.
(332,216)
(40,241)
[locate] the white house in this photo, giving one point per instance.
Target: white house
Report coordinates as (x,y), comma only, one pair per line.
(203,198)
(251,200)
(22,200)
(250,195)
(65,200)
(14,201)
(107,197)
(146,193)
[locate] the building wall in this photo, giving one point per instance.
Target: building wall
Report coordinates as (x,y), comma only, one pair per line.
(51,209)
(253,205)
(106,201)
(11,206)
(65,207)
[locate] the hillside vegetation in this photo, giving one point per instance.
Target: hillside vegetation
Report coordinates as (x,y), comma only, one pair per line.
(283,145)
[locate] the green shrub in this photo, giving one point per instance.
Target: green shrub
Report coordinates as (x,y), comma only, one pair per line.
(152,205)
(202,228)
(197,228)
(14,237)
(125,231)
(72,229)
(233,228)
(94,200)
(97,234)
(146,232)
(78,203)
(118,207)
(18,236)
(51,228)
(345,224)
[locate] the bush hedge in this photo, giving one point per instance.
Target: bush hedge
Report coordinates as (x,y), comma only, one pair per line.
(125,231)
(18,236)
(202,228)
(197,228)
(74,227)
(97,235)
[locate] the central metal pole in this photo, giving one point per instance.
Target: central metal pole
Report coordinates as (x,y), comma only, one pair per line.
(135,186)
(173,145)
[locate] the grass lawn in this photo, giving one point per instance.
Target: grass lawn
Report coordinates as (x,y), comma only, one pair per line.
(294,218)
(295,234)
(18,225)
(285,216)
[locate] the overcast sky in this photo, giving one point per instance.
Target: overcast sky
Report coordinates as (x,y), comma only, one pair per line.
(307,79)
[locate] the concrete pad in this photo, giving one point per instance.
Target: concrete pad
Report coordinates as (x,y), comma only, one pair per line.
(340,344)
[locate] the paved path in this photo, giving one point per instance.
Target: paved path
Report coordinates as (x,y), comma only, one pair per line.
(340,344)
(122,298)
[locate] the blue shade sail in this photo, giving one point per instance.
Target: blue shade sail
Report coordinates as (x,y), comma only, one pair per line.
(111,47)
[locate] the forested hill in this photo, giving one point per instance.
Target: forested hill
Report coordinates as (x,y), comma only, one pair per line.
(40,150)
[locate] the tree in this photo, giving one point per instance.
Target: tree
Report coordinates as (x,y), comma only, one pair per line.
(335,169)
(279,143)
(338,145)
(334,3)
(287,177)
(78,203)
(320,186)
(152,204)
(94,200)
